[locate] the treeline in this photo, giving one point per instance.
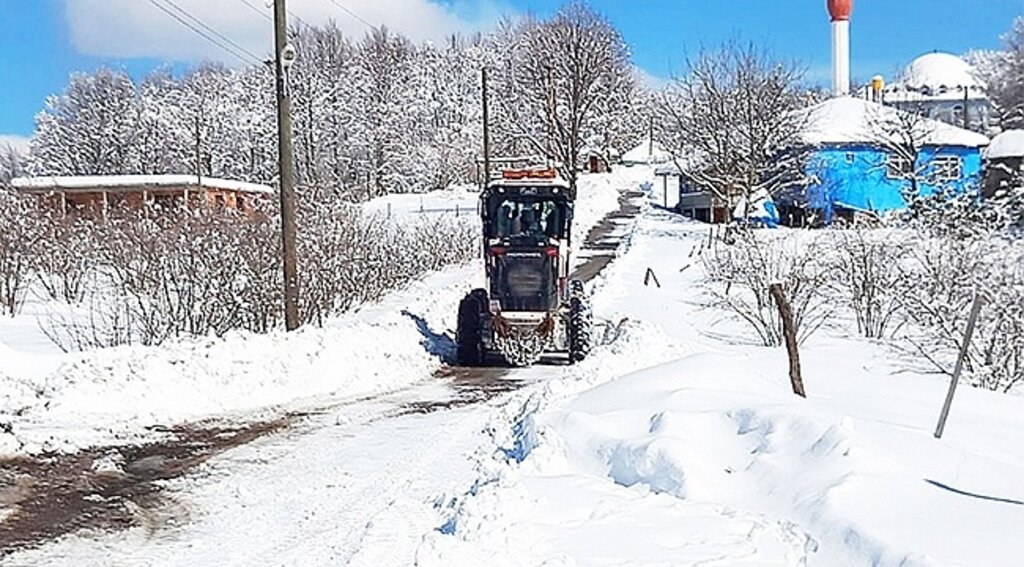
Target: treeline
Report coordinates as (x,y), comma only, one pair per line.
(371,116)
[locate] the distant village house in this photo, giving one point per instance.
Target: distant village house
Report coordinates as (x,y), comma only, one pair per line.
(97,196)
(853,167)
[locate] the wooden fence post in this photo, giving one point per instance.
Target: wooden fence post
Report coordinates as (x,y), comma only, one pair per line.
(649,276)
(789,333)
(971,321)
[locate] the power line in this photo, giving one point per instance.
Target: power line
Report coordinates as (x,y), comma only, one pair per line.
(257,10)
(267,16)
(201,33)
(353,14)
(184,12)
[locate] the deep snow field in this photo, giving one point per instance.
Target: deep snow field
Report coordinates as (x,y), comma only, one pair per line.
(702,456)
(678,442)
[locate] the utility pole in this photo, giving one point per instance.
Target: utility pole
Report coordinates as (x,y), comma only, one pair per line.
(551,116)
(199,159)
(487,130)
(285,56)
(967,101)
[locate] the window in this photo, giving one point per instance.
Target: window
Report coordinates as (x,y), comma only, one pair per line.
(947,168)
(529,218)
(898,167)
(850,157)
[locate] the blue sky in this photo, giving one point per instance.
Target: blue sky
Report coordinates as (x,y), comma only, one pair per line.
(46,40)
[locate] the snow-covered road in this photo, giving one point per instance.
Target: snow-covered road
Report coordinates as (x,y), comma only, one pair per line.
(356,481)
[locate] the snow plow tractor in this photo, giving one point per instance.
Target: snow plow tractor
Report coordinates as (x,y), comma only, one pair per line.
(529,307)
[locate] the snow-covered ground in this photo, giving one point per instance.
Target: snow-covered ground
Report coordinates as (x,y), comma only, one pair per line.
(57,401)
(677,442)
(703,456)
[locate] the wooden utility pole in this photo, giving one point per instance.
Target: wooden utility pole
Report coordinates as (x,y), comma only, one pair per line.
(487,129)
(286,167)
(199,158)
(967,101)
(551,116)
(789,333)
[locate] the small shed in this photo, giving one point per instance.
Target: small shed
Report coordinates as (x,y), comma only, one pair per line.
(1004,162)
(852,169)
(98,195)
(648,152)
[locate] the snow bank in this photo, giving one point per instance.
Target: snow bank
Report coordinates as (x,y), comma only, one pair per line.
(706,456)
(120,391)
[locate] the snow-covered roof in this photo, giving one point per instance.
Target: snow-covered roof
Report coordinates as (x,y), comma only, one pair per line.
(124,182)
(1008,144)
(939,70)
(647,152)
(936,76)
(847,120)
(669,168)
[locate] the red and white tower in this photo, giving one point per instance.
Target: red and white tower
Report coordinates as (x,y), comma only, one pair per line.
(840,12)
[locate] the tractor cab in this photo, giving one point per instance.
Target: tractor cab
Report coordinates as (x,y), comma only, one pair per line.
(527,218)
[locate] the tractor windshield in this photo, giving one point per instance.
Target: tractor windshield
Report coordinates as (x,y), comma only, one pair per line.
(516,217)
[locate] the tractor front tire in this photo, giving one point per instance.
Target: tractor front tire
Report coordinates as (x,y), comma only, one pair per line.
(581,323)
(469,343)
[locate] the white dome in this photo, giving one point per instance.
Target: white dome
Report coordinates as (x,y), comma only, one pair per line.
(1006,145)
(938,71)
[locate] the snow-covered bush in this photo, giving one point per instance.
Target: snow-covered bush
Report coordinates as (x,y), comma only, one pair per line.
(944,273)
(865,274)
(745,262)
(18,233)
(146,277)
(347,258)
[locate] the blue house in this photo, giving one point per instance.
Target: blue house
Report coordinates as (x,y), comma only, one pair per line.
(860,159)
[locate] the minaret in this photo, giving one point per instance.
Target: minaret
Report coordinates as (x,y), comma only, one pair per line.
(840,11)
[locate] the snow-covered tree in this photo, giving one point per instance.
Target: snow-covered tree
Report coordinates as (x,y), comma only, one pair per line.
(1003,72)
(12,164)
(88,130)
(373,115)
(735,113)
(576,77)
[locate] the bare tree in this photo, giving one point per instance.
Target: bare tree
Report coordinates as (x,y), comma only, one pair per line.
(742,268)
(1003,72)
(867,273)
(903,134)
(735,114)
(18,233)
(576,71)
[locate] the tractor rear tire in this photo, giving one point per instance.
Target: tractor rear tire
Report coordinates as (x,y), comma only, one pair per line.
(581,323)
(469,343)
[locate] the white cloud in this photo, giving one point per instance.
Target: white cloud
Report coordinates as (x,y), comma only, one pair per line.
(137,28)
(19,143)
